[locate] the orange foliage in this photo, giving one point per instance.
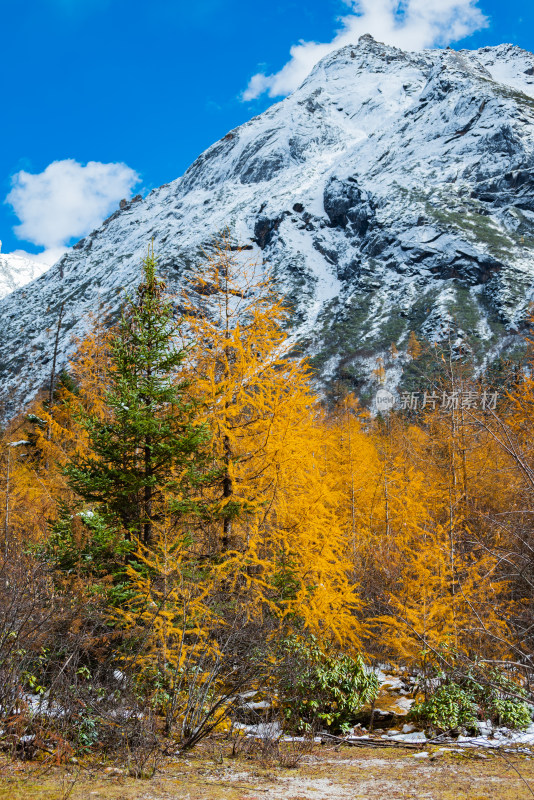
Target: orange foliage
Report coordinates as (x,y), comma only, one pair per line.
(52,434)
(285,550)
(380,535)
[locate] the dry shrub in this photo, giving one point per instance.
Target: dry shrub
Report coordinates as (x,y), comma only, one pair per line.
(67,688)
(60,694)
(292,752)
(271,748)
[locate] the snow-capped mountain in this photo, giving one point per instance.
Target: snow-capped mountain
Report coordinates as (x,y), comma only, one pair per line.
(17,271)
(393,191)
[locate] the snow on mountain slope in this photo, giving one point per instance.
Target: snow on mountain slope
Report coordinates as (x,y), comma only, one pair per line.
(17,271)
(509,65)
(392,191)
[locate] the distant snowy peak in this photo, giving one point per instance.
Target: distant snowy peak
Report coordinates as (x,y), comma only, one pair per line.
(16,271)
(509,65)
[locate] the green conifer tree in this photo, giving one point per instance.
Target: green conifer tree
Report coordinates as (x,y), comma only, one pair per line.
(151,445)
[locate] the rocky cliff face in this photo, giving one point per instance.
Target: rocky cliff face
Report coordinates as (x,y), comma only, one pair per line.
(391,192)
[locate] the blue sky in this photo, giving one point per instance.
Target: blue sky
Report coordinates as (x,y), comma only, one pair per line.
(93,84)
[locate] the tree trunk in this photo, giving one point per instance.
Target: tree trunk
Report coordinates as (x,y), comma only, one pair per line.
(227,493)
(147,524)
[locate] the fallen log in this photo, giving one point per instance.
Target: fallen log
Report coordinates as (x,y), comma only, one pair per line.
(365,742)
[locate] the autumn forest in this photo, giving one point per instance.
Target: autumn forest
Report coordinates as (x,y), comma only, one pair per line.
(187,517)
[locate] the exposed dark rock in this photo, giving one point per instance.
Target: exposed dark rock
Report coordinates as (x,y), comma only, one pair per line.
(264,229)
(514,188)
(263,169)
(253,166)
(345,204)
(328,253)
(468,268)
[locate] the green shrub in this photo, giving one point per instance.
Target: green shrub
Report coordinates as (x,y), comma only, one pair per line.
(84,545)
(322,688)
(481,692)
(512,713)
(449,707)
(500,698)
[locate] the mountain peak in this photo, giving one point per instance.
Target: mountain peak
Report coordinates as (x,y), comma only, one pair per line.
(391,192)
(16,270)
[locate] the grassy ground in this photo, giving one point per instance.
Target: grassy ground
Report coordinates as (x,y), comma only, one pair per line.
(323,774)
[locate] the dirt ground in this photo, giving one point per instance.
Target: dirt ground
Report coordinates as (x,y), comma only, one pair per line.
(325,773)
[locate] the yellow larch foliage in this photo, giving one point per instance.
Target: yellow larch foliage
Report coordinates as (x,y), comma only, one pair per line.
(167,606)
(277,537)
(377,534)
(414,348)
(52,434)
(425,579)
(443,589)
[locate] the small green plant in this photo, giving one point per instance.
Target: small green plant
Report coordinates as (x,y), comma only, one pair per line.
(512,713)
(459,698)
(32,682)
(320,687)
(449,707)
(88,733)
(500,698)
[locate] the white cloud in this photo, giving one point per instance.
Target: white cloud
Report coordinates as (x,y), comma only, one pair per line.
(66,201)
(409,24)
(46,257)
